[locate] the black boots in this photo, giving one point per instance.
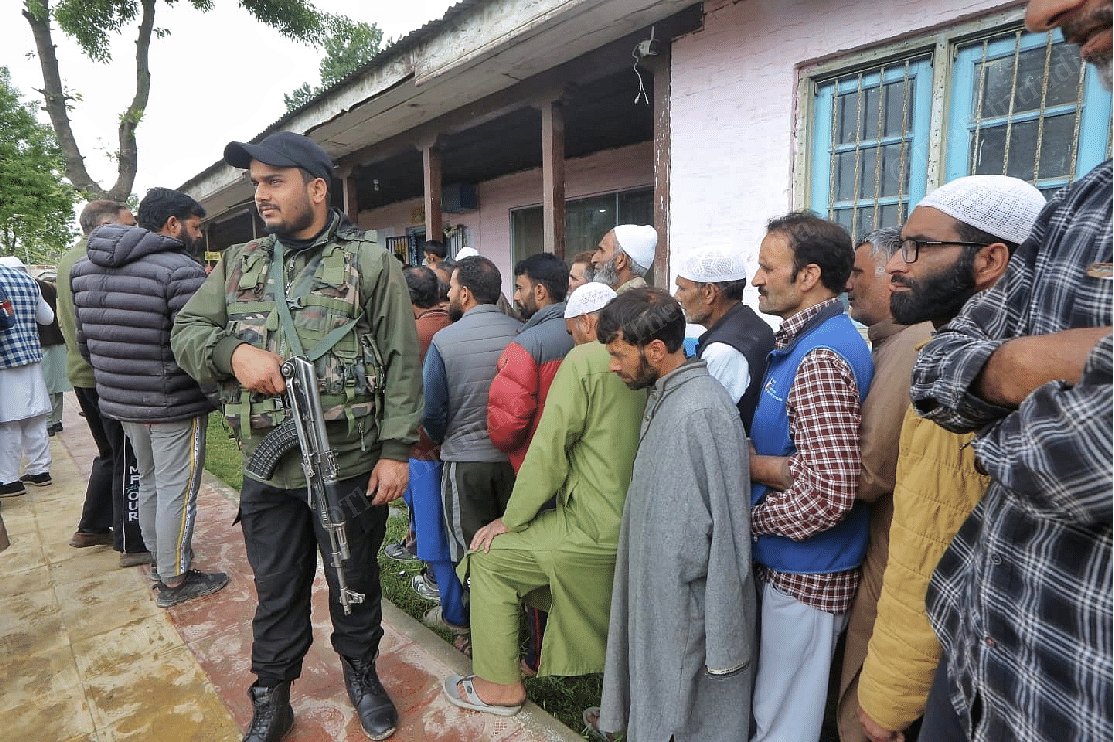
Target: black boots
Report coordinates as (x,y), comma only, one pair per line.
(272,717)
(377,713)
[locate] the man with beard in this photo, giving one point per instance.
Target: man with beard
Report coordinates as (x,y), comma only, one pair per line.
(893,350)
(680,646)
(1021,599)
(555,544)
(126,293)
(624,256)
(710,285)
(476,477)
(320,287)
(810,533)
(525,373)
(937,481)
(528,365)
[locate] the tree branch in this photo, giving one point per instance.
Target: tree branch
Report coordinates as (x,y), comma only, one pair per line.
(128,156)
(37,13)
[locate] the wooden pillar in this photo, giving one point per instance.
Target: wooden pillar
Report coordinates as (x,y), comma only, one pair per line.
(351,194)
(660,66)
(431,171)
(553,178)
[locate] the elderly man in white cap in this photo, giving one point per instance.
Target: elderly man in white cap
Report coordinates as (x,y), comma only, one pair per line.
(710,284)
(955,244)
(624,255)
(25,404)
(562,559)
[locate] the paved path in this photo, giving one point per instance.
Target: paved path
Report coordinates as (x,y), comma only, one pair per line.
(87,656)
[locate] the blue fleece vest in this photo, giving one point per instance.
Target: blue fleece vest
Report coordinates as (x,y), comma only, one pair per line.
(843,546)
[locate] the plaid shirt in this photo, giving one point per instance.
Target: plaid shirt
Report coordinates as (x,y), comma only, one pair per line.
(1022,598)
(824,413)
(19,345)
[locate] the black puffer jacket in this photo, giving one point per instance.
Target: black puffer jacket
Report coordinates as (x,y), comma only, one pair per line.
(126,292)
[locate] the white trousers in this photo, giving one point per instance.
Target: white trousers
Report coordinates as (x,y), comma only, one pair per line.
(796,644)
(19,438)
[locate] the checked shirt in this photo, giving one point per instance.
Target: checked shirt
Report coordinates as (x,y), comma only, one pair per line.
(1021,600)
(20,345)
(824,415)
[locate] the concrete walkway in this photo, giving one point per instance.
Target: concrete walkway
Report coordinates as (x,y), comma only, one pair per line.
(87,655)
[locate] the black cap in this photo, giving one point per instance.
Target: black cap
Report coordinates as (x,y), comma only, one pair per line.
(283,149)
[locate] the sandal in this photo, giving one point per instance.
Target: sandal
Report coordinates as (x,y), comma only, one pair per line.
(470,699)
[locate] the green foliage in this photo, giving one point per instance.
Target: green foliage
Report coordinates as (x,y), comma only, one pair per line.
(91,22)
(348,45)
(36,205)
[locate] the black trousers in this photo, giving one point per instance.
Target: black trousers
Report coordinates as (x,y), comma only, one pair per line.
(283,537)
(105,499)
(941,721)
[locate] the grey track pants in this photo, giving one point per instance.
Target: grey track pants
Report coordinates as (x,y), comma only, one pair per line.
(171,457)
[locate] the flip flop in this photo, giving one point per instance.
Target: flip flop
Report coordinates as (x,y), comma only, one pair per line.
(473,701)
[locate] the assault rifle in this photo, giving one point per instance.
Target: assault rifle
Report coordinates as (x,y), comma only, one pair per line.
(305,427)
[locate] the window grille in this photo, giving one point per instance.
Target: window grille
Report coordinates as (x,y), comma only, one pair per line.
(1026,106)
(873,124)
(961,102)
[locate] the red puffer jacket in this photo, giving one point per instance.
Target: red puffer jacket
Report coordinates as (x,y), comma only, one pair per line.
(524,374)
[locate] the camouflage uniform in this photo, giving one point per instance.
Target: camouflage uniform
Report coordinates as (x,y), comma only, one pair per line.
(346,285)
(370,379)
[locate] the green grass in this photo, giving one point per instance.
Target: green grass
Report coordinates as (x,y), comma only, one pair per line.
(563,698)
(222,452)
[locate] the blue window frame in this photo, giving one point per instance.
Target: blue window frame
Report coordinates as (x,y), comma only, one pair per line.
(1011,103)
(871,134)
(1025,105)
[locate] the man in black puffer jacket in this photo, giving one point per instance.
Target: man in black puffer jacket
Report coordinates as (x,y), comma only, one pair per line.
(126,293)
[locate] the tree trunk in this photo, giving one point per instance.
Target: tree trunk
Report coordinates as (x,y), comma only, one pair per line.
(37,13)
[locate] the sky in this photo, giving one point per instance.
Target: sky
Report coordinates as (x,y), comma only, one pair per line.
(218,76)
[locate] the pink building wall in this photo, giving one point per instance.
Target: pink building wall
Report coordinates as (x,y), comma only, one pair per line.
(737,78)
(490,225)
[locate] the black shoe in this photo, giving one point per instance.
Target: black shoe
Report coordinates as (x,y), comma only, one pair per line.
(10,489)
(194,585)
(272,718)
(377,713)
(39,480)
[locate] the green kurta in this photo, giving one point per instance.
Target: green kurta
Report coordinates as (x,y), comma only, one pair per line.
(582,453)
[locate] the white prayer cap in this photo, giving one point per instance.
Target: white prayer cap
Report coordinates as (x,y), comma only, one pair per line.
(11,261)
(588,298)
(713,264)
(996,204)
(466,252)
(639,242)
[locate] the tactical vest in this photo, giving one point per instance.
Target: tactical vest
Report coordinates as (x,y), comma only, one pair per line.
(325,297)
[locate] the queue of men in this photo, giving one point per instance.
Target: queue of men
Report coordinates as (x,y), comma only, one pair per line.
(708,531)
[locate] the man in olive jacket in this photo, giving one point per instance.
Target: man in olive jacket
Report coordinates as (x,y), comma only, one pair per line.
(331,275)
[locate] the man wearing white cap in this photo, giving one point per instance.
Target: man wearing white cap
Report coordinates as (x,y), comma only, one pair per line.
(710,284)
(936,480)
(582,454)
(624,255)
(1021,599)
